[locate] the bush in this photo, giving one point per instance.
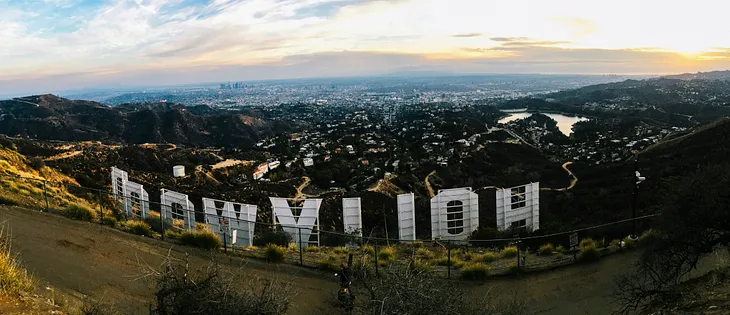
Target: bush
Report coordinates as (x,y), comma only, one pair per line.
(280,238)
(485,258)
(615,243)
(560,249)
(312,249)
(425,253)
(546,250)
(79,212)
(386,254)
(36,163)
(588,249)
(14,279)
(330,263)
(341,250)
(109,221)
(647,237)
(137,227)
(205,239)
(475,271)
(210,291)
(155,224)
(6,200)
(509,252)
(368,249)
(629,243)
(421,266)
(455,262)
(275,253)
(176,234)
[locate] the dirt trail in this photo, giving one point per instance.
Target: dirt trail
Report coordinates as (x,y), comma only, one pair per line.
(431,193)
(301,187)
(79,258)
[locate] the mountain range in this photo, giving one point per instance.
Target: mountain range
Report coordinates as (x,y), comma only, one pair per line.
(49,117)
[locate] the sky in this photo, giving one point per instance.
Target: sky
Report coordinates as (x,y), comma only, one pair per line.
(52,45)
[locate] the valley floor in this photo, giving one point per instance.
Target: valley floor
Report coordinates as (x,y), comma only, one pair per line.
(79,258)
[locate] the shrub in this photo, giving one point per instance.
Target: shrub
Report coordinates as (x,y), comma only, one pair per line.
(280,238)
(205,239)
(475,271)
(155,223)
(386,254)
(137,227)
(425,253)
(79,212)
(173,234)
(486,257)
(647,237)
(215,292)
(341,250)
(560,249)
(312,249)
(615,243)
(368,249)
(588,249)
(36,163)
(546,250)
(455,262)
(421,266)
(109,221)
(330,263)
(629,243)
(509,252)
(275,253)
(6,200)
(14,278)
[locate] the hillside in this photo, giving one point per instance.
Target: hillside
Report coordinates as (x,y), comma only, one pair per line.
(711,75)
(49,117)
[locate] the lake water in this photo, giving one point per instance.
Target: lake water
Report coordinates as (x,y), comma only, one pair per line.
(565,123)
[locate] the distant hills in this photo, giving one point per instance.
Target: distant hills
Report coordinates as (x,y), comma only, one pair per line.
(48,117)
(712,75)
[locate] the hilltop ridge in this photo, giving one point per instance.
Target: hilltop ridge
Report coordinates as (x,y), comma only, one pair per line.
(49,117)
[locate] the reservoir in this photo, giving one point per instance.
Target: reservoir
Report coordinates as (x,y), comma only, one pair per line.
(565,123)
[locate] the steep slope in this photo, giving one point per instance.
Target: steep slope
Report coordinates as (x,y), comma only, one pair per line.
(49,117)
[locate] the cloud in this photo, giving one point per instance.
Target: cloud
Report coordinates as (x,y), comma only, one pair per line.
(509,39)
(467,35)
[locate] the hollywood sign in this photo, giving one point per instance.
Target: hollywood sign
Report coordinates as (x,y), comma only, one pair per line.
(454,212)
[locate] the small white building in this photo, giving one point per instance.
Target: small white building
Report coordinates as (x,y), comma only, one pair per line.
(274,165)
(257,174)
(263,167)
(308,162)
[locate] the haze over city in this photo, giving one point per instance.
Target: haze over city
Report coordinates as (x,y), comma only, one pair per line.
(51,45)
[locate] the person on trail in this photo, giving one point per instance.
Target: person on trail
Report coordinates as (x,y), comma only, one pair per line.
(346,279)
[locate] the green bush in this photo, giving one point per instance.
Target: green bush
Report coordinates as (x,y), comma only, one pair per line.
(509,252)
(155,224)
(486,257)
(615,243)
(79,212)
(137,227)
(386,254)
(205,239)
(6,200)
(546,250)
(341,250)
(109,221)
(560,249)
(312,249)
(475,271)
(280,238)
(588,249)
(421,266)
(173,234)
(275,253)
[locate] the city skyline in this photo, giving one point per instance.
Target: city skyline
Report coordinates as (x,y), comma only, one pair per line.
(74,44)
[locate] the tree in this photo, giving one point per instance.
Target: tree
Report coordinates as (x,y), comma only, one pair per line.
(694,221)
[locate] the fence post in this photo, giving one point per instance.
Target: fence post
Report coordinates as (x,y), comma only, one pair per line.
(376,257)
(448,259)
(45,194)
(162,221)
(301,255)
(225,238)
(518,254)
(101,209)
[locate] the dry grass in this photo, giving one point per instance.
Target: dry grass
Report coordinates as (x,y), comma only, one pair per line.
(205,239)
(137,227)
(509,252)
(14,279)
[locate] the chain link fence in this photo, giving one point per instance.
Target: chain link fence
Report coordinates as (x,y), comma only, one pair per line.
(325,250)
